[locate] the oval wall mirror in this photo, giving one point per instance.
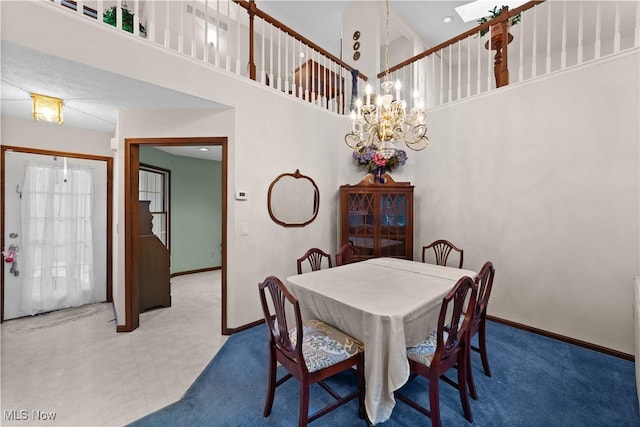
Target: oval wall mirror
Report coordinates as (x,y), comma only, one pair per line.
(293,200)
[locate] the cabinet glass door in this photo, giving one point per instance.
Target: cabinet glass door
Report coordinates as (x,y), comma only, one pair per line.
(361,222)
(393,209)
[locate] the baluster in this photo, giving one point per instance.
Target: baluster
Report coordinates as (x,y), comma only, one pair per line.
(521,52)
(217,45)
(181,35)
(563,56)
(307,90)
(271,84)
(304,79)
(580,33)
(441,77)
(433,78)
(136,18)
(228,54)
(286,63)
(548,58)
(534,43)
(151,24)
(279,86)
(193,29)
(262,60)
(469,66)
(238,61)
(596,53)
(637,30)
(100,11)
(294,83)
(205,48)
(450,83)
(479,65)
(459,71)
(118,17)
(490,71)
(326,85)
(167,33)
(616,37)
(313,63)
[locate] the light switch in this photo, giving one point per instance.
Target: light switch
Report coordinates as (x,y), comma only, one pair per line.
(244,229)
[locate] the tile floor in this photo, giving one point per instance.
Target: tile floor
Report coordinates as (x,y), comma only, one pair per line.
(73,363)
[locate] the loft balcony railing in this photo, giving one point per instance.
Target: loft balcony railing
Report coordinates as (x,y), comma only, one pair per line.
(551,36)
(236,36)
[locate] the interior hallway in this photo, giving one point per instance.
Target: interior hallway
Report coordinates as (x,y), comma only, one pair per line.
(74,364)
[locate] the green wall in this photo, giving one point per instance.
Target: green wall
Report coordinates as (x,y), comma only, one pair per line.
(196,209)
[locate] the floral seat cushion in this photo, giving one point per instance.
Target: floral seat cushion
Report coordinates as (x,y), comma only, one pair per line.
(324,346)
(423,352)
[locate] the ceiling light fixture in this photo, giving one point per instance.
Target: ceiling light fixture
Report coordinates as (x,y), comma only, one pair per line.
(447,19)
(203,149)
(380,121)
(47,108)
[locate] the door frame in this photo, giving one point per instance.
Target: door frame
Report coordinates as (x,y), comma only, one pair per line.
(109,213)
(131,225)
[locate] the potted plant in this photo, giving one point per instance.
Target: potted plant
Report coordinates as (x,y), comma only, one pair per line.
(494,13)
(109,16)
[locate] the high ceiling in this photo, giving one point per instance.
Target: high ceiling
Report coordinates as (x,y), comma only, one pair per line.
(94,97)
(321,21)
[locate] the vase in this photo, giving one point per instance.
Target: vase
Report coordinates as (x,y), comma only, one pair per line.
(379,173)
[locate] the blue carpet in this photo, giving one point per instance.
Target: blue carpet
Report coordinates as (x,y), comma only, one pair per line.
(536,381)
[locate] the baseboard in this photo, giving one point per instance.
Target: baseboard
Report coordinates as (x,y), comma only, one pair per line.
(563,338)
(231,331)
(200,270)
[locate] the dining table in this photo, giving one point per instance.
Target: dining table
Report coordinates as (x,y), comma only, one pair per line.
(388,304)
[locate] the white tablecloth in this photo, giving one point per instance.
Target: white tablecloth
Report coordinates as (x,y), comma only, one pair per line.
(386,303)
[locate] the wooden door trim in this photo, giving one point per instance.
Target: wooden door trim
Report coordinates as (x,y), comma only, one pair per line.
(131,165)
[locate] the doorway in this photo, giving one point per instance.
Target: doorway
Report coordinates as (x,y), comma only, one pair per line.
(132,243)
(52,283)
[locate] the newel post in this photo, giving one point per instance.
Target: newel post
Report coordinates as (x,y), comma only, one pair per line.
(252,65)
(502,59)
(500,39)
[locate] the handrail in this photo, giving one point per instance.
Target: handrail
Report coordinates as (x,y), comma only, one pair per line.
(253,9)
(460,37)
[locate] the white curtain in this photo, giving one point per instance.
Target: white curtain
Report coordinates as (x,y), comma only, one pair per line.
(57,253)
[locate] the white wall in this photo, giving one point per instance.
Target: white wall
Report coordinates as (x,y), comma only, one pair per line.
(542,179)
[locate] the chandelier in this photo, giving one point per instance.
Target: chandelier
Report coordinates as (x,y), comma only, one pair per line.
(380,120)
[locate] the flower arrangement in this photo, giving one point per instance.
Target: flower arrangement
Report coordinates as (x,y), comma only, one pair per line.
(372,159)
(495,12)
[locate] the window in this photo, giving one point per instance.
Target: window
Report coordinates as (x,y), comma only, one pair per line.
(154,187)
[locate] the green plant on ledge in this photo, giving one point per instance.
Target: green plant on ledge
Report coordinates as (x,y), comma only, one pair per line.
(109,17)
(495,12)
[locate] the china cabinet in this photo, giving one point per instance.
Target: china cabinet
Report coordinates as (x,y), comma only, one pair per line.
(377,217)
(154,281)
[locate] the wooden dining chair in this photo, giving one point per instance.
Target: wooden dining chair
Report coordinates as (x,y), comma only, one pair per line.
(311,351)
(316,257)
(347,254)
(445,348)
(484,280)
(442,249)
